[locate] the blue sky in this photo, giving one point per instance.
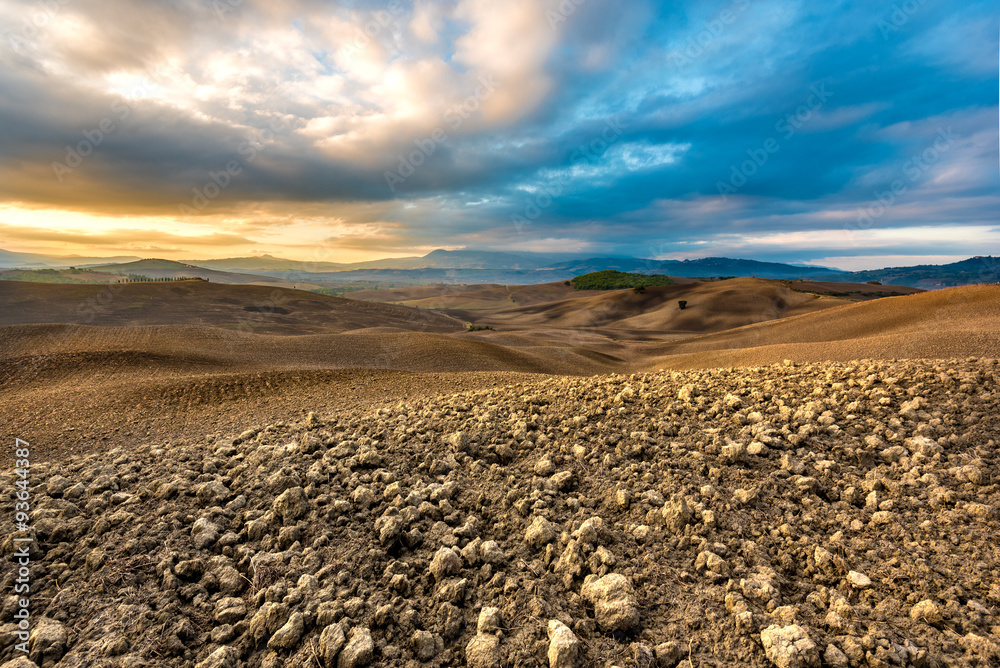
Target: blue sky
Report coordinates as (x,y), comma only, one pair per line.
(849,134)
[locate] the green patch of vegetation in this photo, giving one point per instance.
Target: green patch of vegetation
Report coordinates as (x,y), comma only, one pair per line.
(618,280)
(683,304)
(478,328)
(847,293)
(93,277)
(329,292)
(141,278)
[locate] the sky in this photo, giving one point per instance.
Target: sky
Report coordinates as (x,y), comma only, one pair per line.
(847,134)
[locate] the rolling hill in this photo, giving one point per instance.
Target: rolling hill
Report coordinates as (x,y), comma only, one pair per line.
(712,306)
(13,260)
(156,268)
(980,269)
(81,364)
(436,259)
(700,268)
(473,267)
(266,265)
(956,322)
(57,276)
(246,307)
(477,267)
(488,296)
(471,273)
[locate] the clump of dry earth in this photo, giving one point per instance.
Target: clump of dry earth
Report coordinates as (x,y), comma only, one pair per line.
(791,515)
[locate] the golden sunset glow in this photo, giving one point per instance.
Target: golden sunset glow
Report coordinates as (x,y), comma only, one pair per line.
(383,129)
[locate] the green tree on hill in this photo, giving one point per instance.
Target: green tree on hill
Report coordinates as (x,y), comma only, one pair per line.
(618,280)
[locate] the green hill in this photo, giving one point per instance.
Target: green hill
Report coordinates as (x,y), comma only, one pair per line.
(47,276)
(617,280)
(156,268)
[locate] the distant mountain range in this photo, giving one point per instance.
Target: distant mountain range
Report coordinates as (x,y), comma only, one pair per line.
(701,268)
(513,267)
(265,263)
(437,259)
(12,260)
(472,266)
(979,269)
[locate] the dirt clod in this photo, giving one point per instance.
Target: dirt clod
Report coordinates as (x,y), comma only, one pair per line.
(294,545)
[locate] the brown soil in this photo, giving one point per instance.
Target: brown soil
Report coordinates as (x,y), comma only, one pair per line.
(711,307)
(338,483)
(796,516)
(947,323)
(243,308)
(493,297)
(165,361)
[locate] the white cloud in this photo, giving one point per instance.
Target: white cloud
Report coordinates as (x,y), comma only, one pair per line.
(511,39)
(428,20)
(642,155)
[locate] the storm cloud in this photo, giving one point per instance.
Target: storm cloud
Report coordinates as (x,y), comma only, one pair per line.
(836,132)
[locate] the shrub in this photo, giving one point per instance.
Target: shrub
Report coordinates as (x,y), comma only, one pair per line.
(874,282)
(617,280)
(639,289)
(683,304)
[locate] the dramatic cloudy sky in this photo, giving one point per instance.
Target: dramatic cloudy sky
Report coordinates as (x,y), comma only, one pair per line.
(354,130)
